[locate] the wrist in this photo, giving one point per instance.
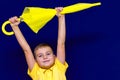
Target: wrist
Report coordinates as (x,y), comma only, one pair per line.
(14,26)
(61,16)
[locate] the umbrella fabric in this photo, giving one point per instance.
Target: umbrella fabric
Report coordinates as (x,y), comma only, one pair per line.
(36,17)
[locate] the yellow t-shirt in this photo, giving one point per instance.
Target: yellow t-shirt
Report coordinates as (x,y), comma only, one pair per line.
(56,72)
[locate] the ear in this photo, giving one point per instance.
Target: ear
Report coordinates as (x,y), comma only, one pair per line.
(35,59)
(54,56)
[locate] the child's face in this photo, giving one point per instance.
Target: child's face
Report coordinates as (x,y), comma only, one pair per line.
(45,57)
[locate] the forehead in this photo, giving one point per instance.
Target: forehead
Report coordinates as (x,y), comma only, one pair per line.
(43,50)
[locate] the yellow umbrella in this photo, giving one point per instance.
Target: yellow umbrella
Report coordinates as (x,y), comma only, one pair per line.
(36,17)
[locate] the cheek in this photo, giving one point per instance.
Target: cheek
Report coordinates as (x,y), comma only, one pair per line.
(39,60)
(52,58)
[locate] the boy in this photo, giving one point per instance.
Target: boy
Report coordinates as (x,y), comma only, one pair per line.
(45,66)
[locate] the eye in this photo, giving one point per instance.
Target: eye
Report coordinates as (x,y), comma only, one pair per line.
(48,53)
(40,55)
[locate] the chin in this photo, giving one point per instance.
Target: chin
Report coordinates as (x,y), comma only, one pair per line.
(47,66)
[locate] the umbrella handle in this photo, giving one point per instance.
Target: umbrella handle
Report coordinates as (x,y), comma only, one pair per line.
(4,25)
(3,29)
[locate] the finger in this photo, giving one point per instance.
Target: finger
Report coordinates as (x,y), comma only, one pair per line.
(60,9)
(11,20)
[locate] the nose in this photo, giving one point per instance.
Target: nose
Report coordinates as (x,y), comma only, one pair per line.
(44,57)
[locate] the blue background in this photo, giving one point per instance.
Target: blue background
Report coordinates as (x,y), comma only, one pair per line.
(92,41)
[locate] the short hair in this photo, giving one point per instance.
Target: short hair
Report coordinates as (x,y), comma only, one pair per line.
(42,45)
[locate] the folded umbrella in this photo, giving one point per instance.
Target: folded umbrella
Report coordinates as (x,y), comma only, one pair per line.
(36,17)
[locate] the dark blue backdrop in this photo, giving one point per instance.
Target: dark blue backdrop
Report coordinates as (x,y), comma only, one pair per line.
(92,43)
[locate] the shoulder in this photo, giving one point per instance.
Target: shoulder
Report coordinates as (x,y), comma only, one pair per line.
(61,66)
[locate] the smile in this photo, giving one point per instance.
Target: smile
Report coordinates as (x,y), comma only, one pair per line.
(46,61)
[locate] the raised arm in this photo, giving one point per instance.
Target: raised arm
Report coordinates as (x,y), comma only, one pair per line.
(23,43)
(61,35)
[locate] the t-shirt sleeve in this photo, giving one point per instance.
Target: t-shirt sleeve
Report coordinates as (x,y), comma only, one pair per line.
(61,66)
(32,73)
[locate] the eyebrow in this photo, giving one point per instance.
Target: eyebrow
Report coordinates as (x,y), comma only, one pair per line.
(38,54)
(49,51)
(46,52)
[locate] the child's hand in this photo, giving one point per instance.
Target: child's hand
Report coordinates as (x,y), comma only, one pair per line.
(59,9)
(14,21)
